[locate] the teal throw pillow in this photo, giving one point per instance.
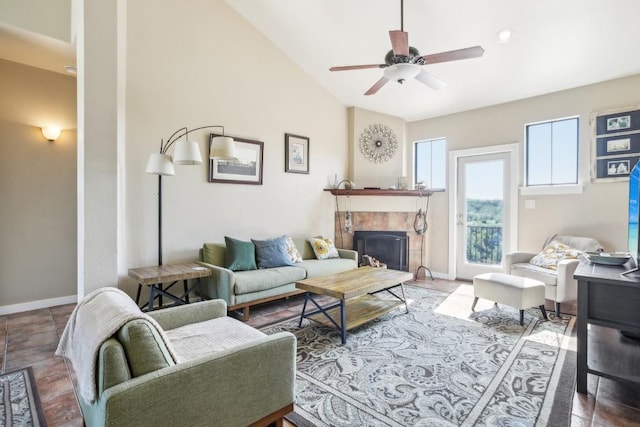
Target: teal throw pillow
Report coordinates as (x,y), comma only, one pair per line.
(272,252)
(241,255)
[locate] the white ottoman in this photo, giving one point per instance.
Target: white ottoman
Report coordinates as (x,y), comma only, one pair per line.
(515,291)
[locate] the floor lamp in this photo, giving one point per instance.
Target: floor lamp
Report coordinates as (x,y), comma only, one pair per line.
(185,153)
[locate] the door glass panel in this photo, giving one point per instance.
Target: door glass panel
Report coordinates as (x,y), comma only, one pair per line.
(484,203)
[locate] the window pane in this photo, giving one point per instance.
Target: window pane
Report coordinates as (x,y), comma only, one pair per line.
(438,163)
(539,154)
(430,162)
(552,152)
(565,152)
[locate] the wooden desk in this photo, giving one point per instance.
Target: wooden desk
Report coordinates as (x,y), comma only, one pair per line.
(156,276)
(607,303)
(355,289)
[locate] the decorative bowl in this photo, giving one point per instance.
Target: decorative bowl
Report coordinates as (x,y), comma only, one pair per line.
(608,258)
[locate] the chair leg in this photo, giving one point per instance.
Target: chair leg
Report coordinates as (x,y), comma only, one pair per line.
(473,306)
(557,309)
(544,312)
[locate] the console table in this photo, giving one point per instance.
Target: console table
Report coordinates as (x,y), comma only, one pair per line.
(155,276)
(607,303)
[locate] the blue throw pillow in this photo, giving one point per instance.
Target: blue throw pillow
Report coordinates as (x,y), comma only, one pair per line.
(272,252)
(241,256)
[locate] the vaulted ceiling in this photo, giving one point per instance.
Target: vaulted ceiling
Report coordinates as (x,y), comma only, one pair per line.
(555,45)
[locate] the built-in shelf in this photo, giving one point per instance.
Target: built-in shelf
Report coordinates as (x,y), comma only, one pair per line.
(378,192)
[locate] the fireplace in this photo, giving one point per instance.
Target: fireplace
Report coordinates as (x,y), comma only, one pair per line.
(389,247)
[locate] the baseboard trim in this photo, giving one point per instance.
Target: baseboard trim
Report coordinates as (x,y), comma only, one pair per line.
(35,305)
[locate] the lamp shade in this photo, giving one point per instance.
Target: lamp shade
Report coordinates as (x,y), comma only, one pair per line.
(160,164)
(401,71)
(187,153)
(222,148)
(51,133)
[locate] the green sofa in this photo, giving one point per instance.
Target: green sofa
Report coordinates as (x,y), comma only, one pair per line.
(243,289)
(227,373)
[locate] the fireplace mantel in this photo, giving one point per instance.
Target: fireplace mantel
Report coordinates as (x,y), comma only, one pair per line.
(378,192)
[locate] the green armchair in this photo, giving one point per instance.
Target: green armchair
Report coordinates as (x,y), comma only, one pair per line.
(201,368)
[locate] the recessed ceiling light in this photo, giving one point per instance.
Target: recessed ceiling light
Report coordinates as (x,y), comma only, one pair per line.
(71,69)
(504,35)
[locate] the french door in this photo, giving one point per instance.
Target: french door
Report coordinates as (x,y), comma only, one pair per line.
(484,210)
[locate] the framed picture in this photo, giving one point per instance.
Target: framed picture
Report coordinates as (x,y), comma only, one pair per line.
(618,167)
(296,153)
(615,145)
(247,169)
(618,123)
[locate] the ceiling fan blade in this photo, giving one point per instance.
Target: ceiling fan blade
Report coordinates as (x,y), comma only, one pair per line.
(376,87)
(357,67)
(399,42)
(454,55)
(430,80)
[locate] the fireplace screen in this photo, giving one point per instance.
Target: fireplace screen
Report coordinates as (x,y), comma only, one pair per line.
(389,247)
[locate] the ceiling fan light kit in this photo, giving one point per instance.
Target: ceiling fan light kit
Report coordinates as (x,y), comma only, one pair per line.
(403,62)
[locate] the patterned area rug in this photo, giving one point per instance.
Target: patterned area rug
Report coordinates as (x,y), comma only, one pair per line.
(19,400)
(438,365)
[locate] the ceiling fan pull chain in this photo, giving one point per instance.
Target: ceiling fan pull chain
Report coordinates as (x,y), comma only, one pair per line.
(401,15)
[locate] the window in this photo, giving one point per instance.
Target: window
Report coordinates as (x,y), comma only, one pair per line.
(430,162)
(552,152)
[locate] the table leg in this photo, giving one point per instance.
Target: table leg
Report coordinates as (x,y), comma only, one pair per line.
(404,297)
(152,289)
(138,294)
(160,295)
(304,308)
(186,291)
(343,322)
(581,374)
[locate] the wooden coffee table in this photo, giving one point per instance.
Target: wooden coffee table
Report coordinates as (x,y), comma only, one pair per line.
(355,289)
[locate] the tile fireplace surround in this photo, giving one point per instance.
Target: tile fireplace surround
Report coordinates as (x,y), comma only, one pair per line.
(384,221)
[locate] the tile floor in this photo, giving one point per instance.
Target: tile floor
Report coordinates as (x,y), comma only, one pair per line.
(30,339)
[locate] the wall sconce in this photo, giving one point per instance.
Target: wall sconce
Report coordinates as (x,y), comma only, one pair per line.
(51,133)
(185,153)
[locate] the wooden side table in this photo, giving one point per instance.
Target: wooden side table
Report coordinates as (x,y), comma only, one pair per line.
(156,276)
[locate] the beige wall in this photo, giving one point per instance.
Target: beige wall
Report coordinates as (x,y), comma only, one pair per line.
(600,212)
(199,63)
(37,186)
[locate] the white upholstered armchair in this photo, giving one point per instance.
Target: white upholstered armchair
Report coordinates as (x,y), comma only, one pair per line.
(560,286)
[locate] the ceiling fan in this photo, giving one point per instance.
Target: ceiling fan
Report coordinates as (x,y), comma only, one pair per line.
(403,62)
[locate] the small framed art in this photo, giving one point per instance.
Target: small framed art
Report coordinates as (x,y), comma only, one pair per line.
(296,153)
(246,169)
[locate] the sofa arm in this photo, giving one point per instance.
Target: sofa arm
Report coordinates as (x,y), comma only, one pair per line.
(516,258)
(567,286)
(348,254)
(234,387)
(174,317)
(220,284)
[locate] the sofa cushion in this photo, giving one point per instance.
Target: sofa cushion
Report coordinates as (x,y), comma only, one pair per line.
(146,351)
(202,338)
(552,253)
(323,248)
(259,280)
(241,255)
(292,250)
(545,275)
(272,253)
(214,253)
(317,267)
